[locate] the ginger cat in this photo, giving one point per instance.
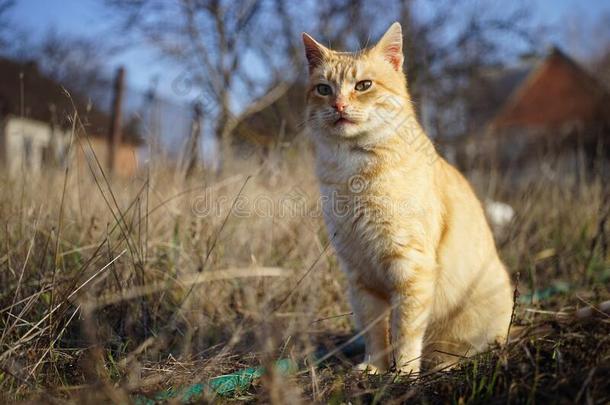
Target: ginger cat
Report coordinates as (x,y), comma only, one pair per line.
(425,281)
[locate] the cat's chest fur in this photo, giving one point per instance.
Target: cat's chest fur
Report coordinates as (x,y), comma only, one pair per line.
(371,213)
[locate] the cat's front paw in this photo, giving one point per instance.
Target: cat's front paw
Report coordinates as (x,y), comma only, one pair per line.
(368,368)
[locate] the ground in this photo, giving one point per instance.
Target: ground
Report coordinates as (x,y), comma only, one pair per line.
(116,289)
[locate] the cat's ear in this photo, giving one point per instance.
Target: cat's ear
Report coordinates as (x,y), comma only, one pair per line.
(390,46)
(314,51)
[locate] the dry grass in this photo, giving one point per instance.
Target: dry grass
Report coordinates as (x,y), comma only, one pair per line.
(112,290)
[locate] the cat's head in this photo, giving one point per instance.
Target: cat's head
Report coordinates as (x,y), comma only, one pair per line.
(360,94)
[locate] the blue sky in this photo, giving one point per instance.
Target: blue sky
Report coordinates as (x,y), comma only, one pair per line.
(89,18)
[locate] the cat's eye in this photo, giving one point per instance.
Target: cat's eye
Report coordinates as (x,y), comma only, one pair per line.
(324,89)
(363,85)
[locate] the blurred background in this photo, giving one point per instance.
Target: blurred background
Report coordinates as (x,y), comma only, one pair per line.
(159,215)
(214,77)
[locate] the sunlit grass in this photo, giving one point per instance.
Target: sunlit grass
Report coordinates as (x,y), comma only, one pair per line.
(112,288)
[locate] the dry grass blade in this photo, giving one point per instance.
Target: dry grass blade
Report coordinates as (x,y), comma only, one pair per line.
(190,281)
(31,333)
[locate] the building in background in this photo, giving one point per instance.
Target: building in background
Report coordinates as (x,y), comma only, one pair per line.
(36,121)
(548,107)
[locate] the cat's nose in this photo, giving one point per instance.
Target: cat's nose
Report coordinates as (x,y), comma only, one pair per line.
(339,105)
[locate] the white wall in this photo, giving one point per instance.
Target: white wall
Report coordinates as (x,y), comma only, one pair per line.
(26,141)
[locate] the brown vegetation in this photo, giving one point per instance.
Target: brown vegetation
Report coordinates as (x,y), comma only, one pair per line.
(110,290)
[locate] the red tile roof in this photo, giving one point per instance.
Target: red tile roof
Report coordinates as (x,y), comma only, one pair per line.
(556,92)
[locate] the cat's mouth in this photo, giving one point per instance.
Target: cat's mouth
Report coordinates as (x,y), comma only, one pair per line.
(342,121)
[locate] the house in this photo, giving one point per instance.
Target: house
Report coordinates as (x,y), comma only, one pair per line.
(548,107)
(36,122)
(279,122)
